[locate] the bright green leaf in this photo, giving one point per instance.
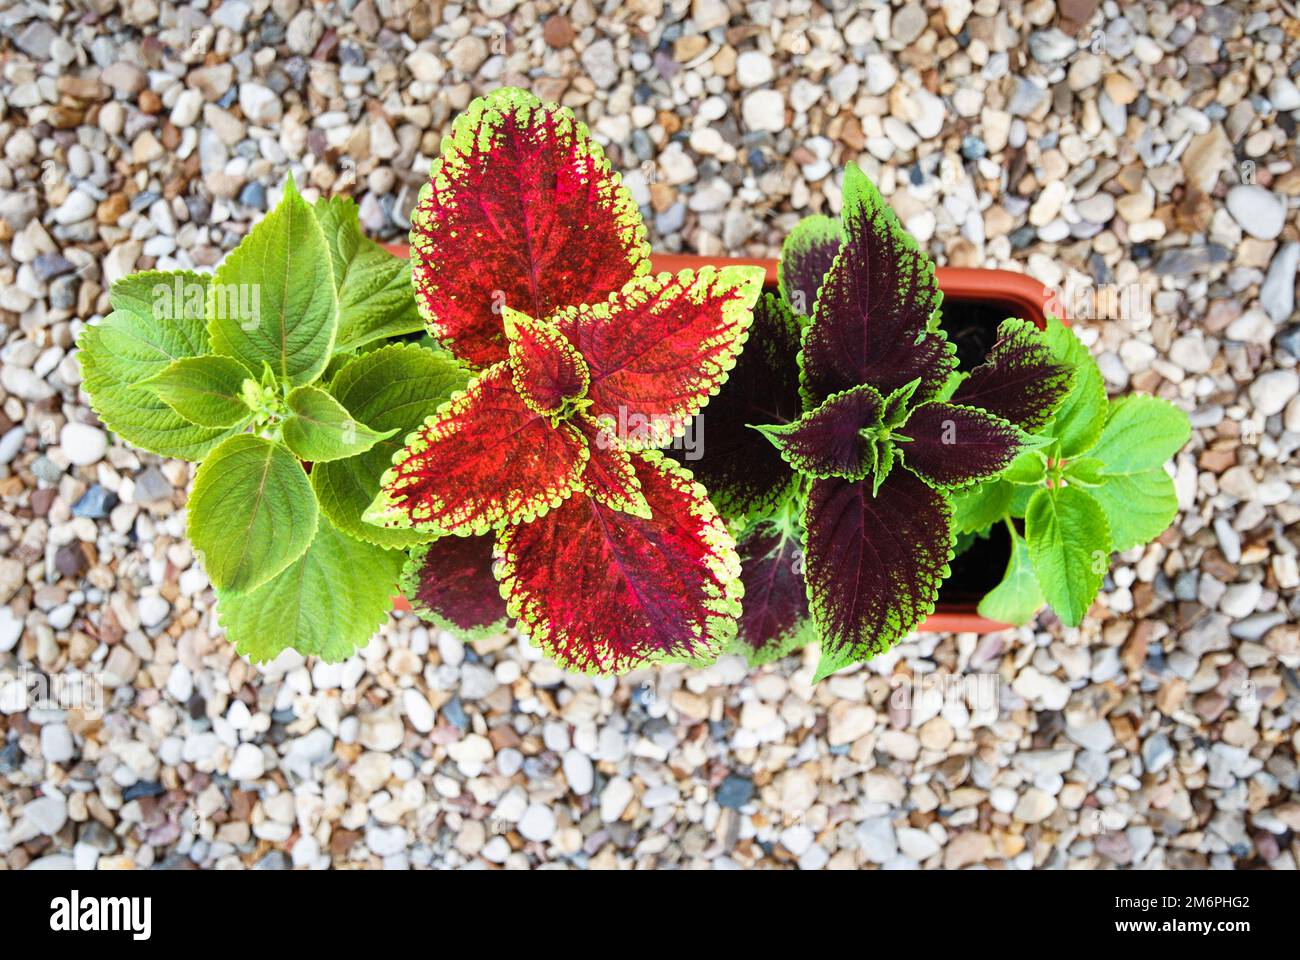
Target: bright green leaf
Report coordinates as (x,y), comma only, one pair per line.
(273,298)
(1030,467)
(157,318)
(832,660)
(955,380)
(1086,471)
(207,391)
(895,409)
(395,387)
(251,513)
(327,603)
(1138,506)
(979,507)
(320,429)
(374,287)
(1020,497)
(1069,542)
(885,454)
(1018,597)
(1082,413)
(1141,433)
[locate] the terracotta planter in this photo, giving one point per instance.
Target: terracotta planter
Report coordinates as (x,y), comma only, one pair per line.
(991,296)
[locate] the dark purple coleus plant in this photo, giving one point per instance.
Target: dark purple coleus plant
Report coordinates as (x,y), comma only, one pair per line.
(531,267)
(885,430)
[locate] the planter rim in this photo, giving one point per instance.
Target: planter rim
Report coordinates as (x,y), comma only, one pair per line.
(1028,295)
(962,283)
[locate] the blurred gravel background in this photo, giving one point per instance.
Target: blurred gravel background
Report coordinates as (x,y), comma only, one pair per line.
(1143,149)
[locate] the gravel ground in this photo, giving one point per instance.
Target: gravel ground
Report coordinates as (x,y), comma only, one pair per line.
(1138,149)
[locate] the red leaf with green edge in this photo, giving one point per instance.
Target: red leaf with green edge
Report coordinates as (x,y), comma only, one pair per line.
(828,441)
(744,473)
(774,620)
(602,591)
(806,255)
(874,316)
(951,446)
(1019,381)
(610,476)
(873,565)
(661,346)
(545,367)
(521,209)
(483,460)
(449,583)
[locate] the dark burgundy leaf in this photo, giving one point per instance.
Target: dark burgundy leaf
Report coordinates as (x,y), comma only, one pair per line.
(743,472)
(873,317)
(952,446)
(828,442)
(807,253)
(449,582)
(873,564)
(774,614)
(1019,380)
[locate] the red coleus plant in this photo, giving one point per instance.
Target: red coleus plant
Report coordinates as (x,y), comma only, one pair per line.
(877,434)
(532,268)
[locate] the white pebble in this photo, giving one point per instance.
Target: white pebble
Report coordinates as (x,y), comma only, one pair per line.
(614,799)
(537,823)
(83,444)
(247,763)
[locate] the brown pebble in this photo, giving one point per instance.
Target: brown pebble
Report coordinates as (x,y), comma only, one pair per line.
(83,88)
(669,121)
(1218,458)
(1170,696)
(70,560)
(689,47)
(150,102)
(329,42)
(557,31)
(341,841)
(111,209)
(42,499)
(503,736)
(420,23)
(66,118)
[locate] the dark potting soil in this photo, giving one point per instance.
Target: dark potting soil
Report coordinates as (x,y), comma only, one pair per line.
(978,569)
(973,326)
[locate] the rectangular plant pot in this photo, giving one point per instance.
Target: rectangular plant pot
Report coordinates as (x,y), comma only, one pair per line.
(974,303)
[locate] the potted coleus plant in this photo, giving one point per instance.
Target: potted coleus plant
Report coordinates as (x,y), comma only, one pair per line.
(518,461)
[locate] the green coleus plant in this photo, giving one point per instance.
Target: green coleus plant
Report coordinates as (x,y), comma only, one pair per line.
(274,374)
(1097,485)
